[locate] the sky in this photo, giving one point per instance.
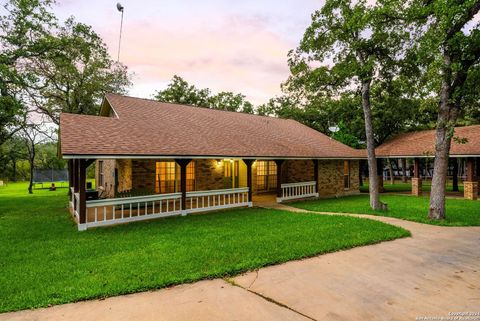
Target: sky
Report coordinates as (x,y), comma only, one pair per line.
(225,45)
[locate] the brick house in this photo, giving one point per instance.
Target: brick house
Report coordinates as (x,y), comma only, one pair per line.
(157,159)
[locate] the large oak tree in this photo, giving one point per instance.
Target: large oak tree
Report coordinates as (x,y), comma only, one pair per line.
(350,47)
(24,35)
(448,46)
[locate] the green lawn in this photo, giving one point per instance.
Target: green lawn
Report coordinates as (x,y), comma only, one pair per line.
(407,187)
(459,212)
(45,260)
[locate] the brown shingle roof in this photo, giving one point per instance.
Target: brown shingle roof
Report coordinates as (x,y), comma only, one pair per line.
(422,143)
(151,128)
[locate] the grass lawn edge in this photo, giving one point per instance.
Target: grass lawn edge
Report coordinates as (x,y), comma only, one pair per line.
(418,216)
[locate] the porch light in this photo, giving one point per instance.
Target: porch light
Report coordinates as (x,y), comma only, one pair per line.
(219,162)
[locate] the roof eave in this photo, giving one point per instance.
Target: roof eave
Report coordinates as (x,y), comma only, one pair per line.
(128,156)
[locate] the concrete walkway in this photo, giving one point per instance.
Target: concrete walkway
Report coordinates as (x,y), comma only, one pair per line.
(434,272)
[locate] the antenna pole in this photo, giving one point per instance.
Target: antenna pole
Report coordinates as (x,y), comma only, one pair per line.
(120,37)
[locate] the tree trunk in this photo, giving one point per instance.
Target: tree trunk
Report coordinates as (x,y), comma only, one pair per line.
(455,175)
(447,117)
(31,159)
(30,186)
(404,170)
(14,166)
(390,172)
(372,161)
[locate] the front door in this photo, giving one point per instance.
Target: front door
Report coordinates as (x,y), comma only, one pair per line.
(266,176)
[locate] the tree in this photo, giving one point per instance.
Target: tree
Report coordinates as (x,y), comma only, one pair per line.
(76,77)
(231,102)
(51,67)
(11,152)
(450,52)
(30,135)
(348,47)
(24,34)
(181,92)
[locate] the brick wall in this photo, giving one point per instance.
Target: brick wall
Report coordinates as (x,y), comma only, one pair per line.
(331,181)
(209,174)
(294,171)
(143,175)
(470,190)
(139,175)
(124,167)
(107,190)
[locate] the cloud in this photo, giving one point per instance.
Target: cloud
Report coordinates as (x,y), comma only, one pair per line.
(222,55)
(220,44)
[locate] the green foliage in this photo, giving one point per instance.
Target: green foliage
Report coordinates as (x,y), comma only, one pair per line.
(181,92)
(51,66)
(231,102)
(23,36)
(45,260)
(345,136)
(76,78)
(12,153)
(461,212)
(388,44)
(446,47)
(47,157)
(407,187)
(345,46)
(14,165)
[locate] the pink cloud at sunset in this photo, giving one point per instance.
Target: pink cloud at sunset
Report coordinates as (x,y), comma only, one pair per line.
(222,45)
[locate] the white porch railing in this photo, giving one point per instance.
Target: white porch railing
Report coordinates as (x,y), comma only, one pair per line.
(216,199)
(76,205)
(72,198)
(121,210)
(298,190)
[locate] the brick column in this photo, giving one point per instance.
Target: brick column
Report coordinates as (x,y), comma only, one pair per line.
(249,163)
(416,179)
(279,163)
(470,186)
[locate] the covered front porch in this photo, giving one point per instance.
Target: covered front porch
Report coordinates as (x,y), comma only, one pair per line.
(421,170)
(140,189)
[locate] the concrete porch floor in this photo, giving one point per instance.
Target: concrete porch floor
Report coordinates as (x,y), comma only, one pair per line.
(432,273)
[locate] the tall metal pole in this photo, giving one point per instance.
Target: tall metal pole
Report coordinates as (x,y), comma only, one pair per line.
(120,8)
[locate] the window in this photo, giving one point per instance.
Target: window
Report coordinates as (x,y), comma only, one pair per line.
(165,181)
(266,175)
(101,178)
(167,178)
(191,176)
(346,174)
